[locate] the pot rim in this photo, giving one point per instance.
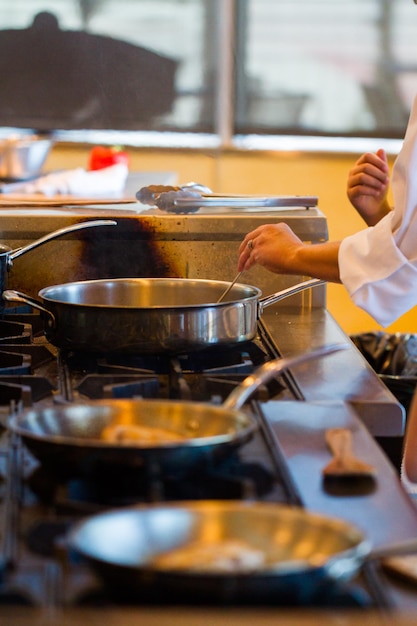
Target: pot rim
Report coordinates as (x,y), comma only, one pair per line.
(353,556)
(245,426)
(250,293)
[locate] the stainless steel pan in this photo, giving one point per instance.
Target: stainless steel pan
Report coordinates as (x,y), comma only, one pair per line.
(301,552)
(68,439)
(296,551)
(151,315)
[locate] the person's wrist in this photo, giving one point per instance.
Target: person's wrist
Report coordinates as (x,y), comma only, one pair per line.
(297,259)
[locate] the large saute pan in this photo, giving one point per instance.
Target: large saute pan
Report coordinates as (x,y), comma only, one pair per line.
(280,554)
(218,551)
(7,255)
(69,439)
(151,315)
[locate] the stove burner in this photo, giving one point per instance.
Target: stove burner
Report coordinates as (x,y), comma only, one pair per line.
(31,371)
(119,386)
(19,359)
(174,378)
(115,485)
(14,363)
(15,332)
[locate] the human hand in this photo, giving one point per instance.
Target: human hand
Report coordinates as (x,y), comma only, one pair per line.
(367,186)
(273,246)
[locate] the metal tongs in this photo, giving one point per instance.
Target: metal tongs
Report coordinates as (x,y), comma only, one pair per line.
(191,197)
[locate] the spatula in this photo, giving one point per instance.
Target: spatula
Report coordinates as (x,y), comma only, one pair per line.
(344,462)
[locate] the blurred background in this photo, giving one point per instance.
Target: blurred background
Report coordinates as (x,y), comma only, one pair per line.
(303,66)
(246,96)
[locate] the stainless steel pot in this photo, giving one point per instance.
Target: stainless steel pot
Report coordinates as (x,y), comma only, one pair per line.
(300,551)
(68,439)
(7,255)
(151,315)
(22,156)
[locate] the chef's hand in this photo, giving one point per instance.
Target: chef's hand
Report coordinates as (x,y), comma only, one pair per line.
(279,250)
(367,186)
(271,245)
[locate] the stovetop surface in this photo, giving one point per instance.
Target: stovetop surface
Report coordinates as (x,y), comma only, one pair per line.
(280,464)
(26,358)
(38,571)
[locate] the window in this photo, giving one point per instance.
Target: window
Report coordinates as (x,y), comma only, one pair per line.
(215,67)
(329,66)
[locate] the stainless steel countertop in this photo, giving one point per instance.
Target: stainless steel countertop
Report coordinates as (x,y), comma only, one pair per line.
(341,377)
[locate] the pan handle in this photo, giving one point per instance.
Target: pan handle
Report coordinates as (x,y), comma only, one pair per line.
(16,296)
(290,291)
(271,369)
(58,233)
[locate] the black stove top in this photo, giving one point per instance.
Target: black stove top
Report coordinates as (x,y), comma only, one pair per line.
(37,569)
(32,372)
(38,507)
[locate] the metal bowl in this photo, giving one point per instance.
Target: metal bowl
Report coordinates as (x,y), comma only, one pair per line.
(23,158)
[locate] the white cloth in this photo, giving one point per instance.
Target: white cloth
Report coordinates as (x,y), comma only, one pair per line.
(378,265)
(105,182)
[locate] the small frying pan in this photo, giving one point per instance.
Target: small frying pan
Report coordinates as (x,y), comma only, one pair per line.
(70,439)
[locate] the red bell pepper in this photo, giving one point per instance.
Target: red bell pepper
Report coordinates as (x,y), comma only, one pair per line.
(104,156)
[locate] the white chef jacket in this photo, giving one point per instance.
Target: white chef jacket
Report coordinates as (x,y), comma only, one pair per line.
(378,265)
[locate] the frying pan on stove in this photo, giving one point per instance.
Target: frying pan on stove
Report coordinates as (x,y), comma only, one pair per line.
(281,555)
(151,315)
(69,439)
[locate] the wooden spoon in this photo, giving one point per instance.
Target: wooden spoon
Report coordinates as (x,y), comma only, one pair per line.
(344,462)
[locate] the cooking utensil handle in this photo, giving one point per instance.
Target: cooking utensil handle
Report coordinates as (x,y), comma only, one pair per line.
(284,202)
(16,296)
(226,291)
(271,369)
(290,291)
(345,463)
(339,441)
(190,200)
(58,233)
(401,548)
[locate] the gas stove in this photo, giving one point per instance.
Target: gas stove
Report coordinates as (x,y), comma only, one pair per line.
(38,506)
(282,463)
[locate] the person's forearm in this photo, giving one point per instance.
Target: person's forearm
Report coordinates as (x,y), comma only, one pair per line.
(317,260)
(278,249)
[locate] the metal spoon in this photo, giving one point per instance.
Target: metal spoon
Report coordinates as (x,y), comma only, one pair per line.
(226,291)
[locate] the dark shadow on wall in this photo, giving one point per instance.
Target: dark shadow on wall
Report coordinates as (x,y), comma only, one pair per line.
(63,79)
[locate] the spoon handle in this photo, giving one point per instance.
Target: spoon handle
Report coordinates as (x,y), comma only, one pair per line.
(226,291)
(339,441)
(344,462)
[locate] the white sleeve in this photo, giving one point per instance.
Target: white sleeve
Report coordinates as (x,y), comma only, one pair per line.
(378,265)
(378,277)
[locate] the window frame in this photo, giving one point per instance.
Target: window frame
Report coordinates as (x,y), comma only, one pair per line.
(228,16)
